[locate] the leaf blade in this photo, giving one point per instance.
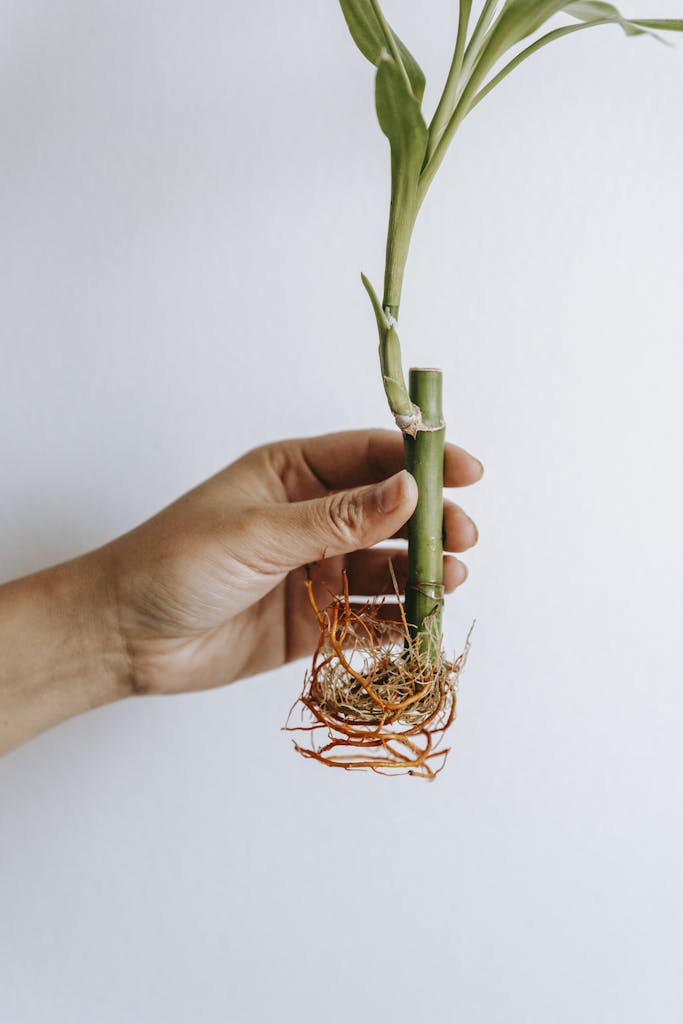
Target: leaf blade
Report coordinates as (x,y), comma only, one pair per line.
(367,33)
(398,112)
(598,12)
(662,24)
(592,14)
(593,10)
(401,120)
(523,55)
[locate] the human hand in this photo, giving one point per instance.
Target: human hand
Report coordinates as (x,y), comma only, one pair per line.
(211,589)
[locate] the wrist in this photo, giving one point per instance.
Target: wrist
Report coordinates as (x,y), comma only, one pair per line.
(60,648)
(97,649)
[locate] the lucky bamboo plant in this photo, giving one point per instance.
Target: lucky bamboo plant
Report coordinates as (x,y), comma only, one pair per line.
(381,708)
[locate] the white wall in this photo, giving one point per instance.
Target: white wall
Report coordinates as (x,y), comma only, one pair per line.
(188,191)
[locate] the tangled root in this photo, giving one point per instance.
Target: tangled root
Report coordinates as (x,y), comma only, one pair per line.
(381,707)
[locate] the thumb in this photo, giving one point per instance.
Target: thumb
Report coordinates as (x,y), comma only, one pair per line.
(344,522)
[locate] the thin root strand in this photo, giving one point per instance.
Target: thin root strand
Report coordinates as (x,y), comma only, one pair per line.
(380,706)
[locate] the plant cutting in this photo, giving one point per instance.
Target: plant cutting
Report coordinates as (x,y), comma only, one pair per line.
(368,702)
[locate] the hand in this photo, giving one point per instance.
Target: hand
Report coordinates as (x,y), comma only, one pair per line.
(211,589)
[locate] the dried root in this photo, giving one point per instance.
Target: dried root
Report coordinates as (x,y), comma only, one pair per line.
(379,706)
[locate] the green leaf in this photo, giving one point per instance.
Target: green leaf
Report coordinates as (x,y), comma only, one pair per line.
(398,398)
(369,37)
(550,37)
(517,20)
(401,120)
(594,10)
(662,24)
(521,18)
(390,359)
(380,316)
(592,14)
(399,114)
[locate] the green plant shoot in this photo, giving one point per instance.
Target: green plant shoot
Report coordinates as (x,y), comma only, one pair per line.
(505,34)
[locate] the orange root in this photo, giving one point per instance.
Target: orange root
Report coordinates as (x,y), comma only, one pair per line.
(378,705)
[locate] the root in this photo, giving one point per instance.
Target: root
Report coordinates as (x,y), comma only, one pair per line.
(372,698)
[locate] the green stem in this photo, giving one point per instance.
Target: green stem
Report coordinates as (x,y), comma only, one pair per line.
(475,68)
(449,97)
(424,459)
(402,214)
(474,47)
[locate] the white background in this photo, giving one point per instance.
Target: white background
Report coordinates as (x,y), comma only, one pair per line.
(188,193)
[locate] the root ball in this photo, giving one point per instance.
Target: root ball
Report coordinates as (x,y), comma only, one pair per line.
(375,697)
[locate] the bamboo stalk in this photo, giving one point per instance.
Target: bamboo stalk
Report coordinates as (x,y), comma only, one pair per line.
(424,459)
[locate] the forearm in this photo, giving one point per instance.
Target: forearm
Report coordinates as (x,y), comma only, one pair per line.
(60,651)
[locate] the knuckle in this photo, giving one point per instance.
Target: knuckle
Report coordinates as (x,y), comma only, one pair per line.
(347,516)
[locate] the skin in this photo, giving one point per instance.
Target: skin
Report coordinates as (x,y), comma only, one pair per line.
(211,589)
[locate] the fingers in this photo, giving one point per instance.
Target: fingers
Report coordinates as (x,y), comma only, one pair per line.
(369,574)
(313,466)
(459,531)
(459,467)
(307,531)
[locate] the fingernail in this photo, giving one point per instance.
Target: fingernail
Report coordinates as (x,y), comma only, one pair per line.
(391,493)
(480,464)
